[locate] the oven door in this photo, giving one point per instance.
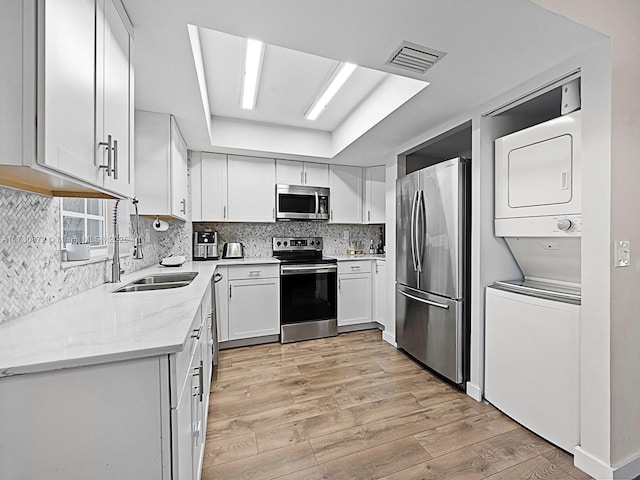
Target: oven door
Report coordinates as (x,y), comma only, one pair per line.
(302,203)
(307,293)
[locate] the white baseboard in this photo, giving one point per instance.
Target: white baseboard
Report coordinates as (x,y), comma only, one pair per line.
(600,470)
(387,337)
(474,392)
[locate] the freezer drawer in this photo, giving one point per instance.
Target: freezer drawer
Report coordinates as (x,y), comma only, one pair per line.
(531,363)
(429,328)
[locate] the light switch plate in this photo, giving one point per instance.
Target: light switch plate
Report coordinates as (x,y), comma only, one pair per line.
(147,235)
(622,253)
(345,235)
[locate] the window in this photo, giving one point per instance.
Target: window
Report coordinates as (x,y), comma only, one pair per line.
(83,221)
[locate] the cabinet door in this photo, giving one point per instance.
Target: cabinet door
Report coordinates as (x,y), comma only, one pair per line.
(316,174)
(354,299)
(113,99)
(182,427)
(289,172)
(68,110)
(213,186)
(346,194)
(179,178)
(379,301)
(222,304)
(251,189)
(375,194)
(254,308)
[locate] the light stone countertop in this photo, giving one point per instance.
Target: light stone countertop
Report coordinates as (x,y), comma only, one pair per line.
(342,258)
(98,326)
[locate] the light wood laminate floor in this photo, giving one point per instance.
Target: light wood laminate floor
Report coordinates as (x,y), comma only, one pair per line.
(353,407)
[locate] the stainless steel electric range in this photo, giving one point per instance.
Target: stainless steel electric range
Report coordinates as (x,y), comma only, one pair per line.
(308,289)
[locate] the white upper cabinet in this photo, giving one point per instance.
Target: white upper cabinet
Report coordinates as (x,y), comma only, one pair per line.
(66,64)
(209,187)
(113,100)
(69,90)
(374,195)
(345,202)
(289,172)
(161,166)
(251,189)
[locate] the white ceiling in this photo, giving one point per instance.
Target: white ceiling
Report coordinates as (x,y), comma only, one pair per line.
(491,45)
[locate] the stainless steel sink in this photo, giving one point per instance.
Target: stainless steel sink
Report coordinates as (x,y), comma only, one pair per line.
(166,278)
(159,281)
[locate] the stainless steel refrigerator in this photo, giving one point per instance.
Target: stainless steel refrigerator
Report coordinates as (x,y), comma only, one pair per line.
(432,269)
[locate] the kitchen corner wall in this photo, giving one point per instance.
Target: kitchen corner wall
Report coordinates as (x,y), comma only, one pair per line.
(256,237)
(31,272)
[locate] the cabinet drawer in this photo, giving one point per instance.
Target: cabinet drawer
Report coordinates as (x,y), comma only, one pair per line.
(181,361)
(354,266)
(247,272)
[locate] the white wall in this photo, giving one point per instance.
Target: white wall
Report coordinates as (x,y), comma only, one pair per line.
(619,20)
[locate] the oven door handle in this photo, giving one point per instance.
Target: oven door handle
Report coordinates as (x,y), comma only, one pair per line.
(306,269)
(317,204)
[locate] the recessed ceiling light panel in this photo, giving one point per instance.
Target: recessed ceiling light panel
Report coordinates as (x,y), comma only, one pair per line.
(252,67)
(340,75)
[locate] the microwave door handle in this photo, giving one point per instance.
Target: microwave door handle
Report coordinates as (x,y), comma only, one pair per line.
(317,204)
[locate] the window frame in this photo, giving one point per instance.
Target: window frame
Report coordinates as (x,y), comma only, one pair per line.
(95,251)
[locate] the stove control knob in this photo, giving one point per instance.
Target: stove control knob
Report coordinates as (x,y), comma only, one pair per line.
(279,243)
(312,243)
(285,244)
(565,224)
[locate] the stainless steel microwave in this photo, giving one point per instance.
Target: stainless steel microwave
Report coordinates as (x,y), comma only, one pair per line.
(297,202)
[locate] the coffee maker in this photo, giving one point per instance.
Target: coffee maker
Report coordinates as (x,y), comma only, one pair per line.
(205,246)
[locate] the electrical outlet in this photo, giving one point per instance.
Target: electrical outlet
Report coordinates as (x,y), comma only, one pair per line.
(147,235)
(345,235)
(622,253)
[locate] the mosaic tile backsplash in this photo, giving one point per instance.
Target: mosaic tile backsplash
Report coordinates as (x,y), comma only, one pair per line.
(256,237)
(31,271)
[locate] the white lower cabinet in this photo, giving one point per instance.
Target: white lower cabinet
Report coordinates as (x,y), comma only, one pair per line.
(142,418)
(354,292)
(254,301)
(378,303)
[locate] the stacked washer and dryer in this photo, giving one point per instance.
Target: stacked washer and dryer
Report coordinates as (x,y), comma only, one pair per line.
(532,323)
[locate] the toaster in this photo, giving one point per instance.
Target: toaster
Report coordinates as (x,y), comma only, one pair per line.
(233,250)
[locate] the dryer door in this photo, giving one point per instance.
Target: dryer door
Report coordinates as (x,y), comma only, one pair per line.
(538,170)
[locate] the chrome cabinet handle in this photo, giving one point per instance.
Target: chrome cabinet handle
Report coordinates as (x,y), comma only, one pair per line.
(305,178)
(356,267)
(273,213)
(369,215)
(108,166)
(317,203)
(230,286)
(183,202)
(196,332)
(255,273)
(301,176)
(332,214)
(199,371)
(115,159)
(224,212)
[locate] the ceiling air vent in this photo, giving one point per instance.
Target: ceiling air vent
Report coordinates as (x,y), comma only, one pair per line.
(414,57)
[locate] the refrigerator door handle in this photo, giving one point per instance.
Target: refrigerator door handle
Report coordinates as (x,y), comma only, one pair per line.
(421,228)
(428,302)
(413,230)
